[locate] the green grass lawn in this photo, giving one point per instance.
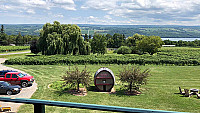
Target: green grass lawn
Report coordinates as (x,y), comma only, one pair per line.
(159,93)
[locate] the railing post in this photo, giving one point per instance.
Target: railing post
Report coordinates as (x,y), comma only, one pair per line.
(39,108)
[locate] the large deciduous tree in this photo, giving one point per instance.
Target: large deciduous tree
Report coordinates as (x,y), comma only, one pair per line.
(61,39)
(150,44)
(131,41)
(118,40)
(98,44)
(110,40)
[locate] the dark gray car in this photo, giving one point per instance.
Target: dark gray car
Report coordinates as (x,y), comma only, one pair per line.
(5,87)
(3,72)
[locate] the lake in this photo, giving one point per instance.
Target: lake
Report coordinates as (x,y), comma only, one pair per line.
(183,39)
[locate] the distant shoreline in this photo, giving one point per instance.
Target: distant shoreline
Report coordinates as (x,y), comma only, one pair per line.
(164,31)
(180,37)
(183,39)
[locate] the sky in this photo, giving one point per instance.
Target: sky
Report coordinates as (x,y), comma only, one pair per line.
(102,12)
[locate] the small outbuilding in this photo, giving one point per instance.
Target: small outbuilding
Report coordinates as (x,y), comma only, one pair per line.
(104,79)
(168,45)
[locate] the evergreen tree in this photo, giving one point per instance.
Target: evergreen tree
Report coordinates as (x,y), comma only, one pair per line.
(90,37)
(18,39)
(2,29)
(33,46)
(86,38)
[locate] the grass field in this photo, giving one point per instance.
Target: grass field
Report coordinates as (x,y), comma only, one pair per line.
(15,55)
(159,93)
(13,48)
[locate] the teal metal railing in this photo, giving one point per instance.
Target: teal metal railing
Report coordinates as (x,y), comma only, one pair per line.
(39,106)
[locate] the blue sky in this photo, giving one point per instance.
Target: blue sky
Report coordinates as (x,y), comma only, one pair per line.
(105,12)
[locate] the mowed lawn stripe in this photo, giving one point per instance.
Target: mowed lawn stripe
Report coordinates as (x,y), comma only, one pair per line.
(160,93)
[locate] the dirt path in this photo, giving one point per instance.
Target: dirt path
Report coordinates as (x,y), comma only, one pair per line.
(25,93)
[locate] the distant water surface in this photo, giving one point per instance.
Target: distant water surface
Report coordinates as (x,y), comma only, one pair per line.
(183,39)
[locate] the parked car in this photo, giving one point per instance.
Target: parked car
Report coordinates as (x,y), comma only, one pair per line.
(17,78)
(3,72)
(5,87)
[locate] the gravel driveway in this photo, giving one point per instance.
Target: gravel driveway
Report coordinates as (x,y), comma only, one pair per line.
(25,93)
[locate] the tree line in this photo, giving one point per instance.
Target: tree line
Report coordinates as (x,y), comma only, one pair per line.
(65,39)
(139,44)
(18,40)
(181,43)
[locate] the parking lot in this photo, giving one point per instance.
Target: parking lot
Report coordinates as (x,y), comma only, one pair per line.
(25,93)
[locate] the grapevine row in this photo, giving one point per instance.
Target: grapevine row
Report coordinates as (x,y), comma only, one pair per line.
(179,57)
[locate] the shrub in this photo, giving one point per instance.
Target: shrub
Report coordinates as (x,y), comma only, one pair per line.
(123,50)
(77,77)
(134,50)
(134,77)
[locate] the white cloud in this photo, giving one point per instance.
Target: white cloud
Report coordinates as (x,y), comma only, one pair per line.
(106,20)
(66,7)
(31,11)
(64,1)
(152,10)
(32,2)
(91,17)
(58,16)
(107,17)
(181,12)
(100,4)
(65,4)
(42,4)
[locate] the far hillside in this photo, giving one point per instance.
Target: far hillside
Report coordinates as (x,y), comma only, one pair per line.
(164,31)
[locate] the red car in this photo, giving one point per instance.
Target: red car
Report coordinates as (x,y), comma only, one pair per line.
(17,78)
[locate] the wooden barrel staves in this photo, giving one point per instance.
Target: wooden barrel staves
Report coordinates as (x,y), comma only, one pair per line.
(104,79)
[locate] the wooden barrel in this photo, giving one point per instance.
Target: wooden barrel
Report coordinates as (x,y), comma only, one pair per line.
(104,79)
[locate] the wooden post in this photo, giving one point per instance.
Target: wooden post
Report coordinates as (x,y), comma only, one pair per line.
(39,108)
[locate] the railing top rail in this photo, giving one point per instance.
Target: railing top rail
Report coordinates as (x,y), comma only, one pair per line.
(82,105)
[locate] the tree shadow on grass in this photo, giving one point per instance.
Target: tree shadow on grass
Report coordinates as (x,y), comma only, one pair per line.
(181,95)
(32,55)
(120,93)
(81,92)
(125,93)
(92,88)
(62,92)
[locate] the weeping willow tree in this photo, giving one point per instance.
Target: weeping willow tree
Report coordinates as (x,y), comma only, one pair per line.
(64,39)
